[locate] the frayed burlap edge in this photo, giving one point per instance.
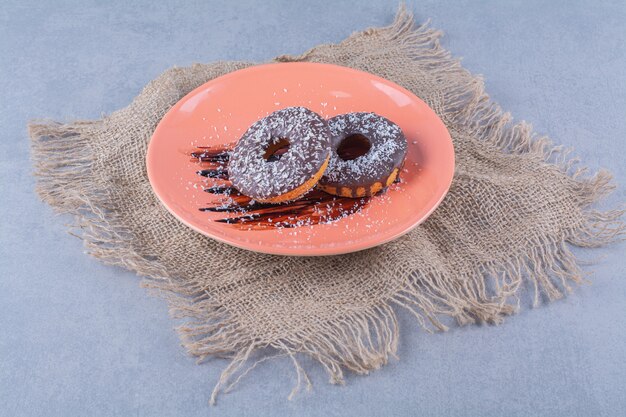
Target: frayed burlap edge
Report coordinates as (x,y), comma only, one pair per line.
(364,340)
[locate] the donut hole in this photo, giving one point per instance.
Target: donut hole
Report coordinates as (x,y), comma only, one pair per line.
(353,146)
(276,150)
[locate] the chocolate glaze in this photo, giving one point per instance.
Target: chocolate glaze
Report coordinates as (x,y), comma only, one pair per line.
(317,207)
(255,175)
(387,151)
(214,173)
(242,212)
(207,154)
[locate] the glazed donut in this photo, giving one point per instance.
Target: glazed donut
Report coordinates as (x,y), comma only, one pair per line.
(377,168)
(256,171)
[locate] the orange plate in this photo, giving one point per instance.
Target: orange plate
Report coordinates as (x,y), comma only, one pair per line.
(220,111)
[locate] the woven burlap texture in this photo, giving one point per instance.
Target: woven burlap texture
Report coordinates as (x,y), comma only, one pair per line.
(516,205)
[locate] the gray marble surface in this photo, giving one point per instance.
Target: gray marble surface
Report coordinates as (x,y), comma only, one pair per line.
(78,338)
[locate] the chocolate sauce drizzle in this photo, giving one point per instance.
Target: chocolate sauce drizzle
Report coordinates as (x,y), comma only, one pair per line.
(241,211)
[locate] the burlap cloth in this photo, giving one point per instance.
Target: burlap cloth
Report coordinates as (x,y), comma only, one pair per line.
(516,205)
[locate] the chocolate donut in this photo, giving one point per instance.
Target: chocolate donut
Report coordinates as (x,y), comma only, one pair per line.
(377,168)
(258,171)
